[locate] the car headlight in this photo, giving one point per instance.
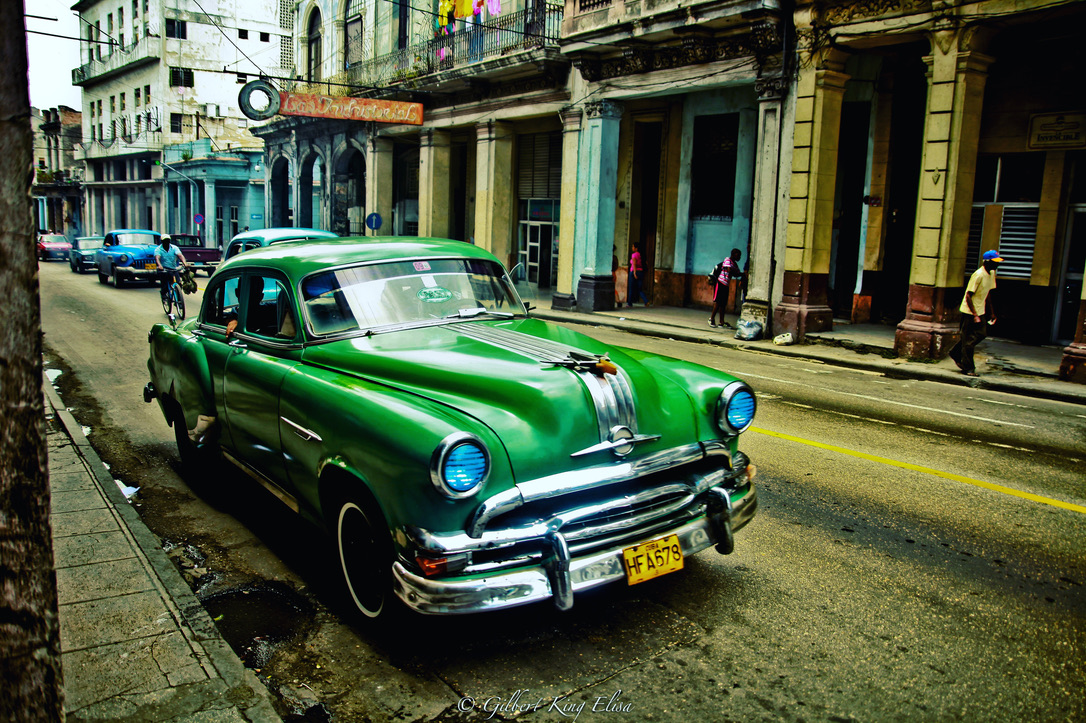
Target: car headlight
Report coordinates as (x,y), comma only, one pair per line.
(735,408)
(460,465)
(122,259)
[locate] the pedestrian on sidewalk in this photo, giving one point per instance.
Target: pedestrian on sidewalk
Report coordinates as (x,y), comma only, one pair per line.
(721,278)
(978,313)
(633,286)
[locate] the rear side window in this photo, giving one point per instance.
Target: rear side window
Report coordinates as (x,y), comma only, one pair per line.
(268,310)
(221,302)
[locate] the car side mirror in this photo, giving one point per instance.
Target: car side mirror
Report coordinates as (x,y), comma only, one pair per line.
(173,320)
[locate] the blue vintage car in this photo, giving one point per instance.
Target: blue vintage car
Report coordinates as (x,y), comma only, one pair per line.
(127,254)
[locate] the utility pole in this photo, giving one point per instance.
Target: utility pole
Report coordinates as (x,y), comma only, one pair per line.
(30,670)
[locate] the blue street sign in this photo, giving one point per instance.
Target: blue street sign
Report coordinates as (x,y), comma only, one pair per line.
(373,221)
(198,218)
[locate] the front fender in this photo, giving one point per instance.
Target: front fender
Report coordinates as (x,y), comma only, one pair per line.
(384,437)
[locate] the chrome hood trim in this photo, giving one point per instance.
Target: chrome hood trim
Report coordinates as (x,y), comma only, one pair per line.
(611,393)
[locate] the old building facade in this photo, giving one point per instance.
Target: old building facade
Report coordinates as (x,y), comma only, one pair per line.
(859,155)
(925,134)
(156,74)
(58,194)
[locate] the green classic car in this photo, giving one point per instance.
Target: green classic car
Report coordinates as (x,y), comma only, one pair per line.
(462,455)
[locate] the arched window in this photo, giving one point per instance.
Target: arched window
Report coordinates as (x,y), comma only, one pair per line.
(352,34)
(313,45)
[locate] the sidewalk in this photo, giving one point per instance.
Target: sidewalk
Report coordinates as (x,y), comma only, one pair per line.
(1005,366)
(136,645)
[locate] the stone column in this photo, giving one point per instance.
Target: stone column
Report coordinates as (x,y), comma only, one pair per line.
(563,297)
(597,181)
(763,221)
(819,95)
(435,151)
(210,225)
(956,78)
(494,190)
(379,183)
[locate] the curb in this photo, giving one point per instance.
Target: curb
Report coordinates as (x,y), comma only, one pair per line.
(811,351)
(201,629)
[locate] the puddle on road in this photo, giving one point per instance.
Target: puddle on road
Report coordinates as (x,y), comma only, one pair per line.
(256,619)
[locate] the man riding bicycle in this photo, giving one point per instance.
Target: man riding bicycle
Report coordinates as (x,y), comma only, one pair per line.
(170,259)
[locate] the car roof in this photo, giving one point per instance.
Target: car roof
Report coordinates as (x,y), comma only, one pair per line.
(302,259)
(134,230)
(286,232)
(80,238)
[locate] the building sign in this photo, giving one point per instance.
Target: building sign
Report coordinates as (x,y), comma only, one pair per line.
(260,100)
(1057,130)
(360,109)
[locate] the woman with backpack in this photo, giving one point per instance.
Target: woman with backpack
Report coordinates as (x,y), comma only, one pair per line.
(721,277)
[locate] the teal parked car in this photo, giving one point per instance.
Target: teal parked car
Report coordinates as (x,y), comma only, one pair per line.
(462,455)
(249,240)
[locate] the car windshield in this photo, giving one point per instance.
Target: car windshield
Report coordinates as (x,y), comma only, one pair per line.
(186,241)
(54,240)
(86,244)
(136,239)
(407,293)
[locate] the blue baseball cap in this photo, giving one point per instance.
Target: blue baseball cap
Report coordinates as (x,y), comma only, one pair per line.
(992,256)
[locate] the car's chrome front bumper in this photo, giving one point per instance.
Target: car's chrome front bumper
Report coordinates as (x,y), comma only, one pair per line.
(561,575)
(136,272)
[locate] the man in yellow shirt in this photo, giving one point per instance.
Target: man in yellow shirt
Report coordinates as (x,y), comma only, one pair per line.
(978,313)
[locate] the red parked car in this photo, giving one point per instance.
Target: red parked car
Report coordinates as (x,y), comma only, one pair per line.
(53,246)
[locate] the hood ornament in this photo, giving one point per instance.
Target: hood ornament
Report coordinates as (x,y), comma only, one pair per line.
(579,361)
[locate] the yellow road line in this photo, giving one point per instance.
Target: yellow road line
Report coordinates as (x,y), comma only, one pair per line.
(927,470)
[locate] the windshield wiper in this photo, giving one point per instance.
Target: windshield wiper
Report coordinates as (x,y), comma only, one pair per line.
(477,311)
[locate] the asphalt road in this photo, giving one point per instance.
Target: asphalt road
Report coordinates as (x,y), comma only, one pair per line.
(918,555)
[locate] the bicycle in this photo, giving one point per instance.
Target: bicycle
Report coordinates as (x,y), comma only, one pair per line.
(174,296)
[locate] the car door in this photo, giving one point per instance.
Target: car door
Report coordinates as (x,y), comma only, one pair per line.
(264,348)
(218,317)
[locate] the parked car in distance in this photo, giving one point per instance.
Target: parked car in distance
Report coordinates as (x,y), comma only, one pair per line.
(462,455)
(84,249)
(249,240)
(53,246)
(200,257)
(127,254)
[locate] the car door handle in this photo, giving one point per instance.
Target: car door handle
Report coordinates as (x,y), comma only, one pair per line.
(306,434)
(239,344)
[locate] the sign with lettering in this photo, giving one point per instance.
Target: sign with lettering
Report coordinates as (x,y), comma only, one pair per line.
(1057,130)
(260,100)
(360,109)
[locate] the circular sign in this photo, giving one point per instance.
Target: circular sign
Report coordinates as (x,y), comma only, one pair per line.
(259,100)
(373,221)
(198,218)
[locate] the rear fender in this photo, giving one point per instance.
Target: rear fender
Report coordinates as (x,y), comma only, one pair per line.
(179,369)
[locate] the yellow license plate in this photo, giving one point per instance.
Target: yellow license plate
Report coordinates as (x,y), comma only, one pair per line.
(652,559)
(151,267)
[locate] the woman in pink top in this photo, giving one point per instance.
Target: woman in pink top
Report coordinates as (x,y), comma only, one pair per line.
(633,285)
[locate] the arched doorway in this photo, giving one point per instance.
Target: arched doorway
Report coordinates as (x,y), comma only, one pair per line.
(349,194)
(282,200)
(310,183)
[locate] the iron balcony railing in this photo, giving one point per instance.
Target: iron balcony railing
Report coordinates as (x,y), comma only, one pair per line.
(470,43)
(146,49)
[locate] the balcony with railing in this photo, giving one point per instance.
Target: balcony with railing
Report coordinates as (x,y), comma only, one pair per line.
(146,50)
(495,48)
